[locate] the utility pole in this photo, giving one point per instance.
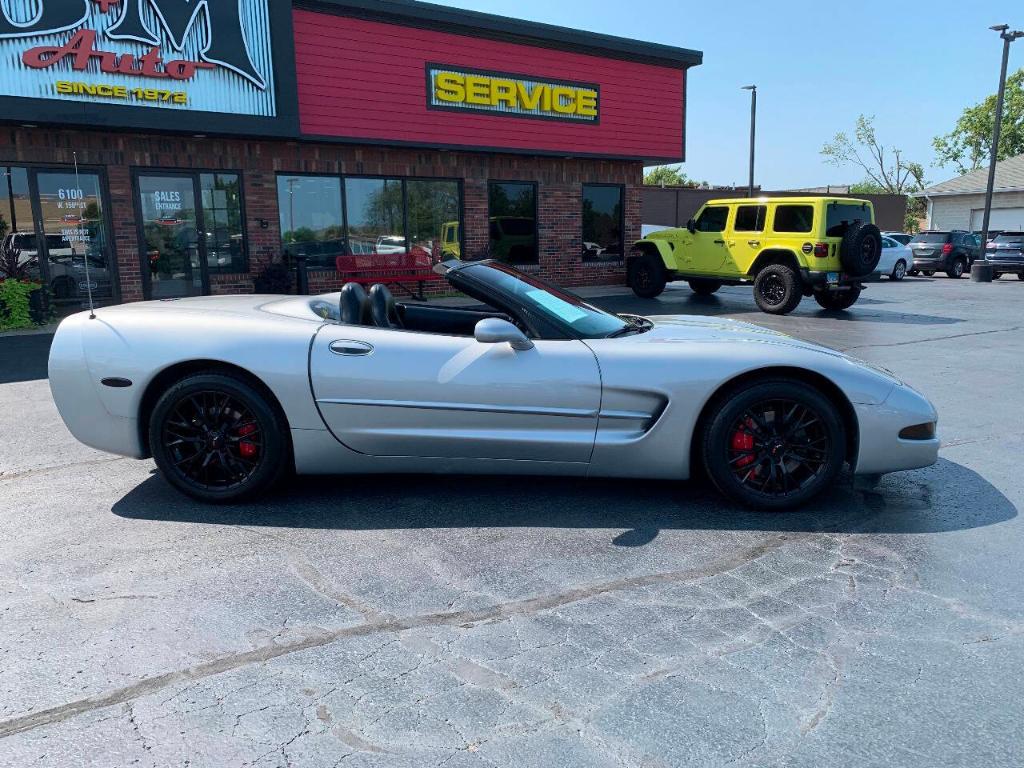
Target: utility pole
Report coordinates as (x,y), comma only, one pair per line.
(753,134)
(984,271)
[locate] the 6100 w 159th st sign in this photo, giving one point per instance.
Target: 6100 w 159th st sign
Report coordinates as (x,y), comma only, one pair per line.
(205,55)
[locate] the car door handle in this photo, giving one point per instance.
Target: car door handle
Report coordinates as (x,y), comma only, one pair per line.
(347,348)
(754,243)
(719,242)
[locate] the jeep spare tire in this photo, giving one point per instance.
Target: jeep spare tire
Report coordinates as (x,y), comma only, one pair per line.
(861,249)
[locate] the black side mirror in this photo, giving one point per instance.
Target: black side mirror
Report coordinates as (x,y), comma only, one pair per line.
(692,226)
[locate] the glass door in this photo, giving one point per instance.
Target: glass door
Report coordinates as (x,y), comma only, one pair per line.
(72,236)
(173,254)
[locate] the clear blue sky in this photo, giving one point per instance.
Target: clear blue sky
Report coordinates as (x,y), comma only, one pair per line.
(914,65)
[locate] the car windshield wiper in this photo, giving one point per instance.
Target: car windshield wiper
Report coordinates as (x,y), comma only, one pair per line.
(626,330)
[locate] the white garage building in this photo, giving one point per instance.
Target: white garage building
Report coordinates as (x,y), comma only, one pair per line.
(960,203)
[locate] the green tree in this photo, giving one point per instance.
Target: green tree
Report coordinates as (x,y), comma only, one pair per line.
(969,145)
(885,168)
(670,176)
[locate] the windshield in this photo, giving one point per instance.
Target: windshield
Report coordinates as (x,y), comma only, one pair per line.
(842,215)
(931,237)
(552,304)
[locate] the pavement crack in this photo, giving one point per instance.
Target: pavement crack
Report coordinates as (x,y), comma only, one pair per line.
(319,638)
(916,342)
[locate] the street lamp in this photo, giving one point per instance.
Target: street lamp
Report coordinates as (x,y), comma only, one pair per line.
(753,132)
(984,272)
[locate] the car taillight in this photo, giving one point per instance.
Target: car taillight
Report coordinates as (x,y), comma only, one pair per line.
(821,250)
(947,249)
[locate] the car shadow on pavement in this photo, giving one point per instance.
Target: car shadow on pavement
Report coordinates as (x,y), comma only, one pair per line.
(945,498)
(692,304)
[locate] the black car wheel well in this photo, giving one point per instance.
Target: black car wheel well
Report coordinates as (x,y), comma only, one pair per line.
(774,256)
(171,375)
(779,373)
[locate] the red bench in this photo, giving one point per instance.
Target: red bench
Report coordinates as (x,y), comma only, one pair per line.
(398,269)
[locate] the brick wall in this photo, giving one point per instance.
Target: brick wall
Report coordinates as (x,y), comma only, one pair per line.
(559,181)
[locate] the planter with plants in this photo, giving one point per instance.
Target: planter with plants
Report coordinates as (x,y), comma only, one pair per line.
(24,301)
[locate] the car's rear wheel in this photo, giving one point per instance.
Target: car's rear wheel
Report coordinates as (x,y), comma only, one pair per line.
(837,300)
(1020,275)
(647,276)
(773,445)
(956,269)
(928,272)
(777,289)
(216,438)
(703,286)
(913,272)
(899,271)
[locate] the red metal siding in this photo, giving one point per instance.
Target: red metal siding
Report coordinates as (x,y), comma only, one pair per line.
(366,80)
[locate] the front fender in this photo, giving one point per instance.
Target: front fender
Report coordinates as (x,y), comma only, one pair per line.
(661,248)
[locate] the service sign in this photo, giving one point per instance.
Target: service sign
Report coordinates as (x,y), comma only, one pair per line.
(500,93)
(176,55)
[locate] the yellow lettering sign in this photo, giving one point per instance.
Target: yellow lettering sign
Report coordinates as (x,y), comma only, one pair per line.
(508,93)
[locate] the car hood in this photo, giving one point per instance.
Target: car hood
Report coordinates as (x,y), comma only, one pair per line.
(683,328)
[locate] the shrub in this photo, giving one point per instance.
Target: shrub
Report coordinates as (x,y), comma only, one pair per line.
(15,302)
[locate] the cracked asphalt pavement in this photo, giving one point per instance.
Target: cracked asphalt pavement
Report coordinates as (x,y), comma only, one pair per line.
(409,621)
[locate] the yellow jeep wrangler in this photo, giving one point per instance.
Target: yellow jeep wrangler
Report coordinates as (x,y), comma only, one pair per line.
(789,247)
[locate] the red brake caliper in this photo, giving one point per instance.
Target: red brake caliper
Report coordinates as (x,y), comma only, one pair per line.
(247,448)
(743,441)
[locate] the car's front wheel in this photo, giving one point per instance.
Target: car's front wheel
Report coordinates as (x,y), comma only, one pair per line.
(216,438)
(777,289)
(647,276)
(773,445)
(837,300)
(899,271)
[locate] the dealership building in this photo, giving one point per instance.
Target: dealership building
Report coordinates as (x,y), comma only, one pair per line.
(173,149)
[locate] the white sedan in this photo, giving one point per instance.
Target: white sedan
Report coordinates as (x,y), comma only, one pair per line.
(897,259)
(230,393)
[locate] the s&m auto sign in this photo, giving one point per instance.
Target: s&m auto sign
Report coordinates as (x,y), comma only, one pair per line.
(183,55)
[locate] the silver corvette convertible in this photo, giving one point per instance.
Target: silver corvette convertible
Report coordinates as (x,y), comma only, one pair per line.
(228,394)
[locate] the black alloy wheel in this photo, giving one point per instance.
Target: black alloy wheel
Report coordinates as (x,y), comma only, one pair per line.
(956,270)
(837,301)
(647,276)
(774,445)
(704,286)
(777,289)
(217,439)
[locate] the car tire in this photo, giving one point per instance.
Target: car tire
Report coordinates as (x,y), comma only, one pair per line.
(1020,275)
(899,271)
(647,276)
(791,458)
(703,286)
(837,301)
(861,249)
(913,272)
(777,289)
(217,438)
(928,273)
(956,271)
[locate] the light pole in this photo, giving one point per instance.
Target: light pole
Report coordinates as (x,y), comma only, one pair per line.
(753,134)
(984,273)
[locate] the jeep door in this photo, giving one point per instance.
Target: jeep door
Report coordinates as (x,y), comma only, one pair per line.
(744,238)
(707,253)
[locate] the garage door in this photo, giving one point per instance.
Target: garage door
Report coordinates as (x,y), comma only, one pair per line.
(1011,219)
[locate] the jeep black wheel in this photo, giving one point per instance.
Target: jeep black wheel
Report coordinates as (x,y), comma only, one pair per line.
(777,289)
(773,445)
(837,300)
(861,249)
(647,276)
(704,287)
(216,438)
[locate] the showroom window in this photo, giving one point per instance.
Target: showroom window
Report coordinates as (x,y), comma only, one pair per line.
(375,210)
(312,223)
(751,218)
(324,217)
(794,218)
(221,195)
(603,223)
(513,221)
(713,219)
(434,219)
